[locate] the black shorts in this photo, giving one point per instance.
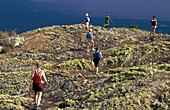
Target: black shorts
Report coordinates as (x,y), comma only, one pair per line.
(38,88)
(96,62)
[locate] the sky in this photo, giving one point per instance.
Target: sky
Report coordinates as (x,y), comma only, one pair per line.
(133,9)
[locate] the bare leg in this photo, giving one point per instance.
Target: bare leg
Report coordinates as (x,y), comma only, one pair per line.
(39,98)
(97,69)
(35,98)
(93,67)
(151,32)
(87,26)
(88,48)
(154,31)
(92,46)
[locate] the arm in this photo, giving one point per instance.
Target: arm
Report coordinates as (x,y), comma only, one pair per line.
(44,77)
(32,75)
(101,54)
(92,37)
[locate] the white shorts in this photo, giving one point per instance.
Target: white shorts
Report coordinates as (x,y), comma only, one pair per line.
(153,27)
(87,24)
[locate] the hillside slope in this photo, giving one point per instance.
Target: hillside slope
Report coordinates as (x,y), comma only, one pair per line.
(134,71)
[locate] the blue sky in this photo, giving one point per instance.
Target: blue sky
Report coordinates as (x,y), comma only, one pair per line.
(138,9)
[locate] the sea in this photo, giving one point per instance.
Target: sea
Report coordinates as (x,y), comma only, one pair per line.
(23,22)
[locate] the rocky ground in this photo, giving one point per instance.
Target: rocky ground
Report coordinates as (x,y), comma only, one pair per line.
(133,75)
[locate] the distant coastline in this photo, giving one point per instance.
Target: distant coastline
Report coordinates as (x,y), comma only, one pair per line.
(20,26)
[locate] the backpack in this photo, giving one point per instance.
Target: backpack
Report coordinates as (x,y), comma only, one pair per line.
(37,79)
(153,22)
(97,55)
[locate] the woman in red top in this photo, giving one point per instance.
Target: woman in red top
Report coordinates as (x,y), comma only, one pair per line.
(38,89)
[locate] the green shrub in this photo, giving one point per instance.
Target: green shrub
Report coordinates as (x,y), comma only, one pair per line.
(4,35)
(134,26)
(1,33)
(4,50)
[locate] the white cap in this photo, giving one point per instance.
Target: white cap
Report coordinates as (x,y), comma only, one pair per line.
(87,14)
(90,30)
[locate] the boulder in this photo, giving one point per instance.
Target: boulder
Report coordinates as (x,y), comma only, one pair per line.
(14,41)
(1,48)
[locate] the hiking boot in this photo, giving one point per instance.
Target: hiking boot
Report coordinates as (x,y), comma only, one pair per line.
(95,72)
(38,108)
(152,38)
(35,106)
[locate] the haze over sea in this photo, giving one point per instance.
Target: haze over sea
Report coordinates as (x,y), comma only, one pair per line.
(27,15)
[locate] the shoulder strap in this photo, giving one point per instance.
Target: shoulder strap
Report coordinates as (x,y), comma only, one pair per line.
(38,72)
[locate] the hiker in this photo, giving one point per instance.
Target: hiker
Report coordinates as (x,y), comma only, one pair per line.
(153,24)
(106,22)
(87,21)
(96,59)
(37,76)
(90,41)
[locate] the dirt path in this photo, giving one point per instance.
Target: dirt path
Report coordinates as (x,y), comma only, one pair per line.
(35,42)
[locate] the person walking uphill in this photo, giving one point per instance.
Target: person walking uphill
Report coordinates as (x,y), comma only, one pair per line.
(87,21)
(37,76)
(153,24)
(90,41)
(96,59)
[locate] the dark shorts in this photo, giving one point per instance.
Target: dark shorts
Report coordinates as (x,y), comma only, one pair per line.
(89,41)
(96,62)
(38,88)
